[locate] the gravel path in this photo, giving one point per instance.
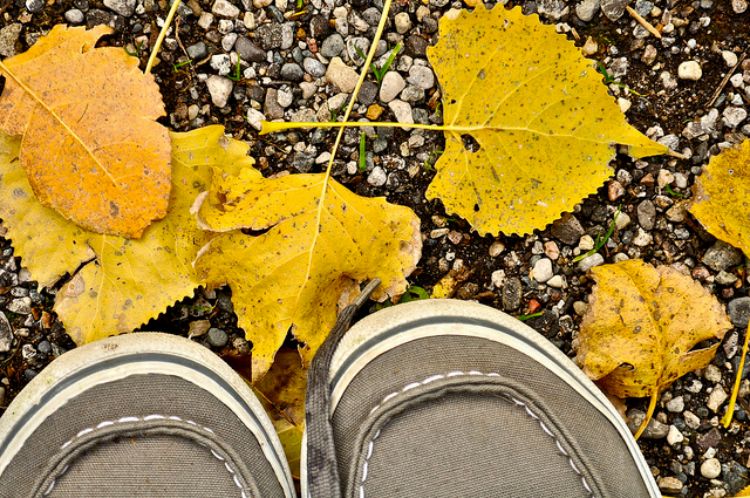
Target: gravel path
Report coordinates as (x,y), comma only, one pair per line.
(299,63)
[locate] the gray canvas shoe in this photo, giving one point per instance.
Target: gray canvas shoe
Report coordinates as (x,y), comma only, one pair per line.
(142,415)
(445,398)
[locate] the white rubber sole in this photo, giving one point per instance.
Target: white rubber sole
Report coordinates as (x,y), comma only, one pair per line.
(392,327)
(118,357)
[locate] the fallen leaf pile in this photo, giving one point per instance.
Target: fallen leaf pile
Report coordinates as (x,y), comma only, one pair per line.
(642,327)
(100,162)
(123,282)
(320,242)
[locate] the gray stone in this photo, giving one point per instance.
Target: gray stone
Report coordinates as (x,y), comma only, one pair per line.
(255,118)
(225,9)
(222,63)
(676,404)
(391,86)
(710,439)
(589,262)
(367,93)
(512,294)
(217,337)
(613,9)
(291,72)
(587,9)
(689,70)
(125,8)
(314,67)
(332,46)
(721,256)
(197,51)
(34,6)
(8,38)
(271,107)
(733,116)
(341,75)
(74,16)
(20,306)
(249,51)
(421,77)
(542,270)
(567,229)
(654,430)
(377,177)
(220,88)
(739,311)
(6,334)
(646,212)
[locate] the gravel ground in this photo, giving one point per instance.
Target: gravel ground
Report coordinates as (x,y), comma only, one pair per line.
(295,63)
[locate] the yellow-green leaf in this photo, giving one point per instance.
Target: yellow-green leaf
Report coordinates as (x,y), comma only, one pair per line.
(282,391)
(293,275)
(123,282)
(722,192)
(541,117)
(91,147)
(642,325)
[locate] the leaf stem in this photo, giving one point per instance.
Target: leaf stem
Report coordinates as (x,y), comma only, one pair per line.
(162,34)
(729,415)
(277,126)
(649,413)
(340,134)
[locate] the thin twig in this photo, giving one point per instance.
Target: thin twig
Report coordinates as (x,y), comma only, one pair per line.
(725,81)
(649,27)
(162,34)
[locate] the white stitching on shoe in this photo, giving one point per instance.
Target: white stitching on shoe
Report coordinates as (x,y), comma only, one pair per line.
(557,442)
(147,418)
(433,378)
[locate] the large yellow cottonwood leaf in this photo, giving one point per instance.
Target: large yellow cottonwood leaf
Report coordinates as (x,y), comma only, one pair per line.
(293,275)
(282,391)
(539,112)
(123,282)
(642,324)
(91,146)
(722,197)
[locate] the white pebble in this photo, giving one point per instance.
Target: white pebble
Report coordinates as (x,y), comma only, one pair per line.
(542,270)
(730,58)
(711,468)
(674,436)
(377,177)
(689,70)
(255,118)
(717,397)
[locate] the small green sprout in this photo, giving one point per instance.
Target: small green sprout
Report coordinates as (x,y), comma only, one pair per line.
(300,4)
(182,64)
(362,152)
(600,240)
(237,76)
(429,163)
(414,293)
(672,193)
(610,80)
(379,72)
(523,318)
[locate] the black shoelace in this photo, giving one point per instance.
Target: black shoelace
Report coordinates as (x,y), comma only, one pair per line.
(323,480)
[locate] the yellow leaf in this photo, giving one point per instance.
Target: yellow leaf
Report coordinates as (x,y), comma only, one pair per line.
(91,147)
(282,391)
(293,275)
(642,324)
(542,120)
(743,492)
(721,197)
(726,420)
(128,281)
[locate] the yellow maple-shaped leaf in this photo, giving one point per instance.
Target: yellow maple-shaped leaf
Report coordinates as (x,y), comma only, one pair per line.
(539,113)
(722,197)
(282,391)
(123,282)
(91,146)
(642,324)
(293,275)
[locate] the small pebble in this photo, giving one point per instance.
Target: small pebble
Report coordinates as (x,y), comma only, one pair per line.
(589,262)
(717,397)
(542,270)
(689,70)
(217,337)
(674,436)
(711,468)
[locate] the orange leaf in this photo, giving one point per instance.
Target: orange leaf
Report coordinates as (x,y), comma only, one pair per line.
(91,146)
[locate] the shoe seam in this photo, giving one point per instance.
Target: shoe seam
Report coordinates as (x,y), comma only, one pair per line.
(452,374)
(147,418)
